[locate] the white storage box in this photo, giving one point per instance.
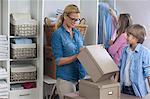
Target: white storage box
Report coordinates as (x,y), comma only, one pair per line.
(97,62)
(103,90)
(24,94)
(22,73)
(23,50)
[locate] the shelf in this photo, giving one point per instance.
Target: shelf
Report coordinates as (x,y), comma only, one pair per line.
(23,36)
(17,82)
(2,78)
(23,59)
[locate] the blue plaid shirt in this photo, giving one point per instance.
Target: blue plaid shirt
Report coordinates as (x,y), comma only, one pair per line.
(64,46)
(139,69)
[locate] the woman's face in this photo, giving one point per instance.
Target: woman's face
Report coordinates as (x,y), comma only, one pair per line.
(72,19)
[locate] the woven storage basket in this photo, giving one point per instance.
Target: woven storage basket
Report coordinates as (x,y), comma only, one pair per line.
(23,30)
(23,51)
(82,27)
(50,28)
(23,73)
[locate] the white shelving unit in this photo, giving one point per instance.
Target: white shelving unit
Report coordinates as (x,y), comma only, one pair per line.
(4,61)
(0,15)
(34,7)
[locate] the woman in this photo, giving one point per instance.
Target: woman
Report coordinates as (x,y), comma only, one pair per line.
(66,44)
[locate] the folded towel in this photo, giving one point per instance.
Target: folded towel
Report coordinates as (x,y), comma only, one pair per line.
(23,41)
(3,37)
(3,54)
(3,84)
(23,22)
(3,93)
(3,42)
(3,46)
(19,68)
(3,51)
(2,69)
(20,16)
(3,77)
(33,45)
(4,97)
(16,87)
(4,90)
(3,72)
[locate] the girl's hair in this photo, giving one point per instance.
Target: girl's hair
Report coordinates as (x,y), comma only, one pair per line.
(124,21)
(68,9)
(137,31)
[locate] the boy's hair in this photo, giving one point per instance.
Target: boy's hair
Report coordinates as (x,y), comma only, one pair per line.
(137,31)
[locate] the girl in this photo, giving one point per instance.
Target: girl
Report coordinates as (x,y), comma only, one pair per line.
(120,42)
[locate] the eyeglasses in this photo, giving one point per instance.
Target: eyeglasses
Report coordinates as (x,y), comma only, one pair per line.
(74,19)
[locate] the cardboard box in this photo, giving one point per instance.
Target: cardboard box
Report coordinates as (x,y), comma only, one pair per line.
(107,89)
(74,95)
(97,62)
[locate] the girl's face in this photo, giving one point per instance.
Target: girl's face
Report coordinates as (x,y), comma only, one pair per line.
(72,19)
(131,39)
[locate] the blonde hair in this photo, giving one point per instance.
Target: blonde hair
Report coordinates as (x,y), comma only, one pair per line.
(137,31)
(68,9)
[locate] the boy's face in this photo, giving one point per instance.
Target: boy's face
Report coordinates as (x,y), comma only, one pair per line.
(132,40)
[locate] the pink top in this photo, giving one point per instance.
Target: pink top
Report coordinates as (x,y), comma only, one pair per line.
(115,50)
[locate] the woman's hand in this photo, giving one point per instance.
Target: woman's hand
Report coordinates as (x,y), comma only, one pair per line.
(82,48)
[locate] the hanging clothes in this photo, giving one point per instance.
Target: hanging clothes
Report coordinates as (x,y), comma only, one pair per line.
(105,24)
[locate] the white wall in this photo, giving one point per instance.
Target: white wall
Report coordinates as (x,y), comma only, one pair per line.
(89,10)
(0,17)
(20,6)
(139,10)
(50,6)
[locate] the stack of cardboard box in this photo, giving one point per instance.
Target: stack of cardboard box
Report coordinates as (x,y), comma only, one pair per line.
(100,67)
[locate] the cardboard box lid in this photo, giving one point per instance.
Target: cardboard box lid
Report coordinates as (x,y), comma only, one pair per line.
(97,62)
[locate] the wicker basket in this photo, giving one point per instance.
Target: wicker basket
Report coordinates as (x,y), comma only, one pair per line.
(82,27)
(23,73)
(23,51)
(23,30)
(50,28)
(23,76)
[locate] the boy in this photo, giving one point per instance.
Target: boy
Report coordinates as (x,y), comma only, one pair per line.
(135,63)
